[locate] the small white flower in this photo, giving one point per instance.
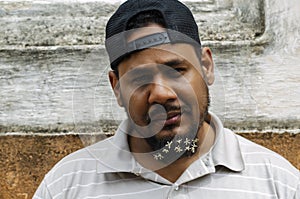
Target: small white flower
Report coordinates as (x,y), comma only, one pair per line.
(165,151)
(169,144)
(194,145)
(187,141)
(193,149)
(178,149)
(158,156)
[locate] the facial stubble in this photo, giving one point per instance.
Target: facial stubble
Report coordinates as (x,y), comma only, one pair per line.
(172,147)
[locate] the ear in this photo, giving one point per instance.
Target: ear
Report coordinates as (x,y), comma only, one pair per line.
(114,82)
(208,65)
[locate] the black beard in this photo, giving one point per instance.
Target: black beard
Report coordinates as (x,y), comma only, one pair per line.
(171,148)
(159,144)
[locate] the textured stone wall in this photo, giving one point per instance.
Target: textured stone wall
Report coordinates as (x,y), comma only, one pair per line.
(53,64)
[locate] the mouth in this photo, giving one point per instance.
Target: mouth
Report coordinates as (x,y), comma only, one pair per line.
(169,119)
(172,118)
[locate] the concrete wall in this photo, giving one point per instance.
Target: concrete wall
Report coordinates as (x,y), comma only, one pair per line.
(53,81)
(53,64)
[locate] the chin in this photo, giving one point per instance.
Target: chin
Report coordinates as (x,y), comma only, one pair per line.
(168,134)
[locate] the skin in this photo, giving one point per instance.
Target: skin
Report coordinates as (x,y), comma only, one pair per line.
(164,94)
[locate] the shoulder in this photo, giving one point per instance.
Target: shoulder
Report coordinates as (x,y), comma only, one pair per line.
(71,170)
(84,158)
(268,165)
(255,153)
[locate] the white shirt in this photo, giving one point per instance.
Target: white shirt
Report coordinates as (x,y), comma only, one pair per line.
(233,168)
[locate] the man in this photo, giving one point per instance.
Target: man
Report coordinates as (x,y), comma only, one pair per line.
(170,146)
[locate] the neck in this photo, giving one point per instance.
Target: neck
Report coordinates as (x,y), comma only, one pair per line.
(172,171)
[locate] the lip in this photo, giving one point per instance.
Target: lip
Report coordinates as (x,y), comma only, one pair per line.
(172,119)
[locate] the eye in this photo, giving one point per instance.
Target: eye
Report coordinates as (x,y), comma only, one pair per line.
(180,70)
(176,72)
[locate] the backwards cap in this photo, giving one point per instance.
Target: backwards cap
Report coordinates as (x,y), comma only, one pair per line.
(180,27)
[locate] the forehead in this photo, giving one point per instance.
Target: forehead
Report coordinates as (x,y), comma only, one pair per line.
(160,55)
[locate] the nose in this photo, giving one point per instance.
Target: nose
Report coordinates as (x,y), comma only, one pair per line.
(160,92)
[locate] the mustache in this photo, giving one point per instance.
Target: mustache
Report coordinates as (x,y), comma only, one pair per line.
(159,111)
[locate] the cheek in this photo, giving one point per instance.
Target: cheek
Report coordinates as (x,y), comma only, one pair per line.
(136,104)
(196,90)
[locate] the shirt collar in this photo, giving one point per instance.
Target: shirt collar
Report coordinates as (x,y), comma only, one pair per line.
(114,154)
(226,150)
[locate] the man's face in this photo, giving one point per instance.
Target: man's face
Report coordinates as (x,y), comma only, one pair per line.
(163,92)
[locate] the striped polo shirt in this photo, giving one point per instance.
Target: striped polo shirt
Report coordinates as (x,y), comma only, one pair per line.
(233,168)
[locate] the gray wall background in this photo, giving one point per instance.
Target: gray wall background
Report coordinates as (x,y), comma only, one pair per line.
(53,65)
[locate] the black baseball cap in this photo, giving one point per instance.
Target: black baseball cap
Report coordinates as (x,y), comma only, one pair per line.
(180,27)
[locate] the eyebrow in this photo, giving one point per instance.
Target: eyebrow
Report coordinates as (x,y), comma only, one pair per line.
(144,70)
(174,62)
